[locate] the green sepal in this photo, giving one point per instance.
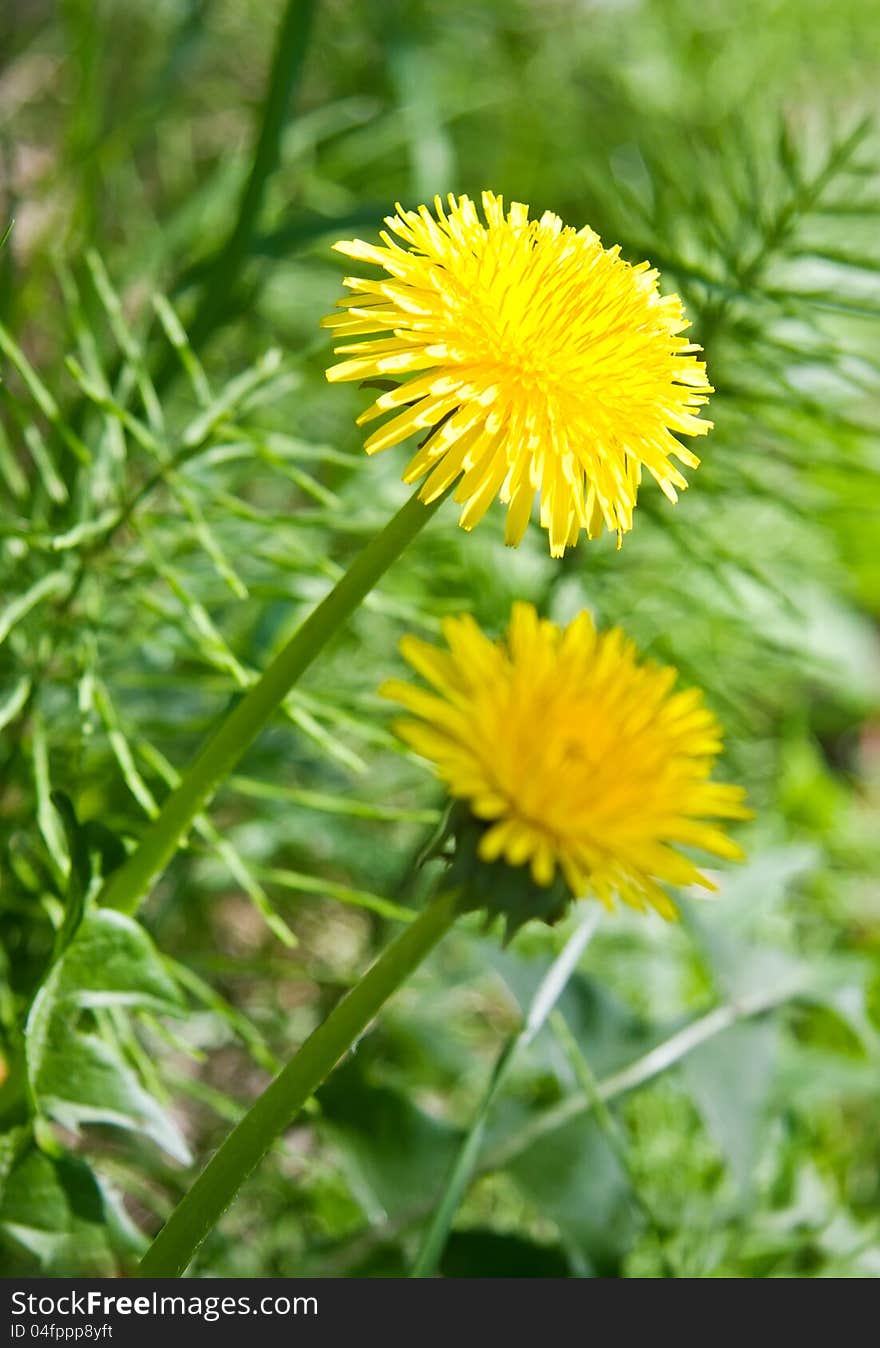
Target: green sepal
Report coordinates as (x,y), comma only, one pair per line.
(501,890)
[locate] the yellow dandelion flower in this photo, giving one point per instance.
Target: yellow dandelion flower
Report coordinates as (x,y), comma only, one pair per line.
(572,754)
(532,360)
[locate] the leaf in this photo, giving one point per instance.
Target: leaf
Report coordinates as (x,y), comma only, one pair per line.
(402,1153)
(14,701)
(576,1180)
(78,875)
(57,1216)
(613,1032)
(113,962)
(41,395)
(79,1078)
(12,1143)
(730,1081)
(76,1077)
(842,985)
(739,966)
(48,818)
(480,1253)
(544,999)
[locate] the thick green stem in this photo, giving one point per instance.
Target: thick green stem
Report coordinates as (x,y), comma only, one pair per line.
(127,886)
(219,1182)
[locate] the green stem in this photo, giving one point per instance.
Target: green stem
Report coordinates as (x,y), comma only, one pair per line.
(219,1182)
(128,885)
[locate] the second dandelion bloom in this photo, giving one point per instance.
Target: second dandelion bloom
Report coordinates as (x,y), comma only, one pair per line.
(577,759)
(531,359)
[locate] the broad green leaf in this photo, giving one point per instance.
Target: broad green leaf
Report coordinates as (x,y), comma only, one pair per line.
(56,1216)
(402,1153)
(576,1181)
(111,962)
(481,1253)
(79,1078)
(739,963)
(75,1076)
(612,1033)
(731,1081)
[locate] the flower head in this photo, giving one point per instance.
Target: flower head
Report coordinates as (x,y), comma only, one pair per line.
(572,755)
(532,360)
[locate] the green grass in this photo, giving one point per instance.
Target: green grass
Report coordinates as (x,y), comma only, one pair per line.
(179,488)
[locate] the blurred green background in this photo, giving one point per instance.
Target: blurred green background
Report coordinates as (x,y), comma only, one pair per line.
(180,486)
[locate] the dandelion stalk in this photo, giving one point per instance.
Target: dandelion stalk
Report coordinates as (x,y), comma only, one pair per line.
(126,888)
(578,685)
(216,1187)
